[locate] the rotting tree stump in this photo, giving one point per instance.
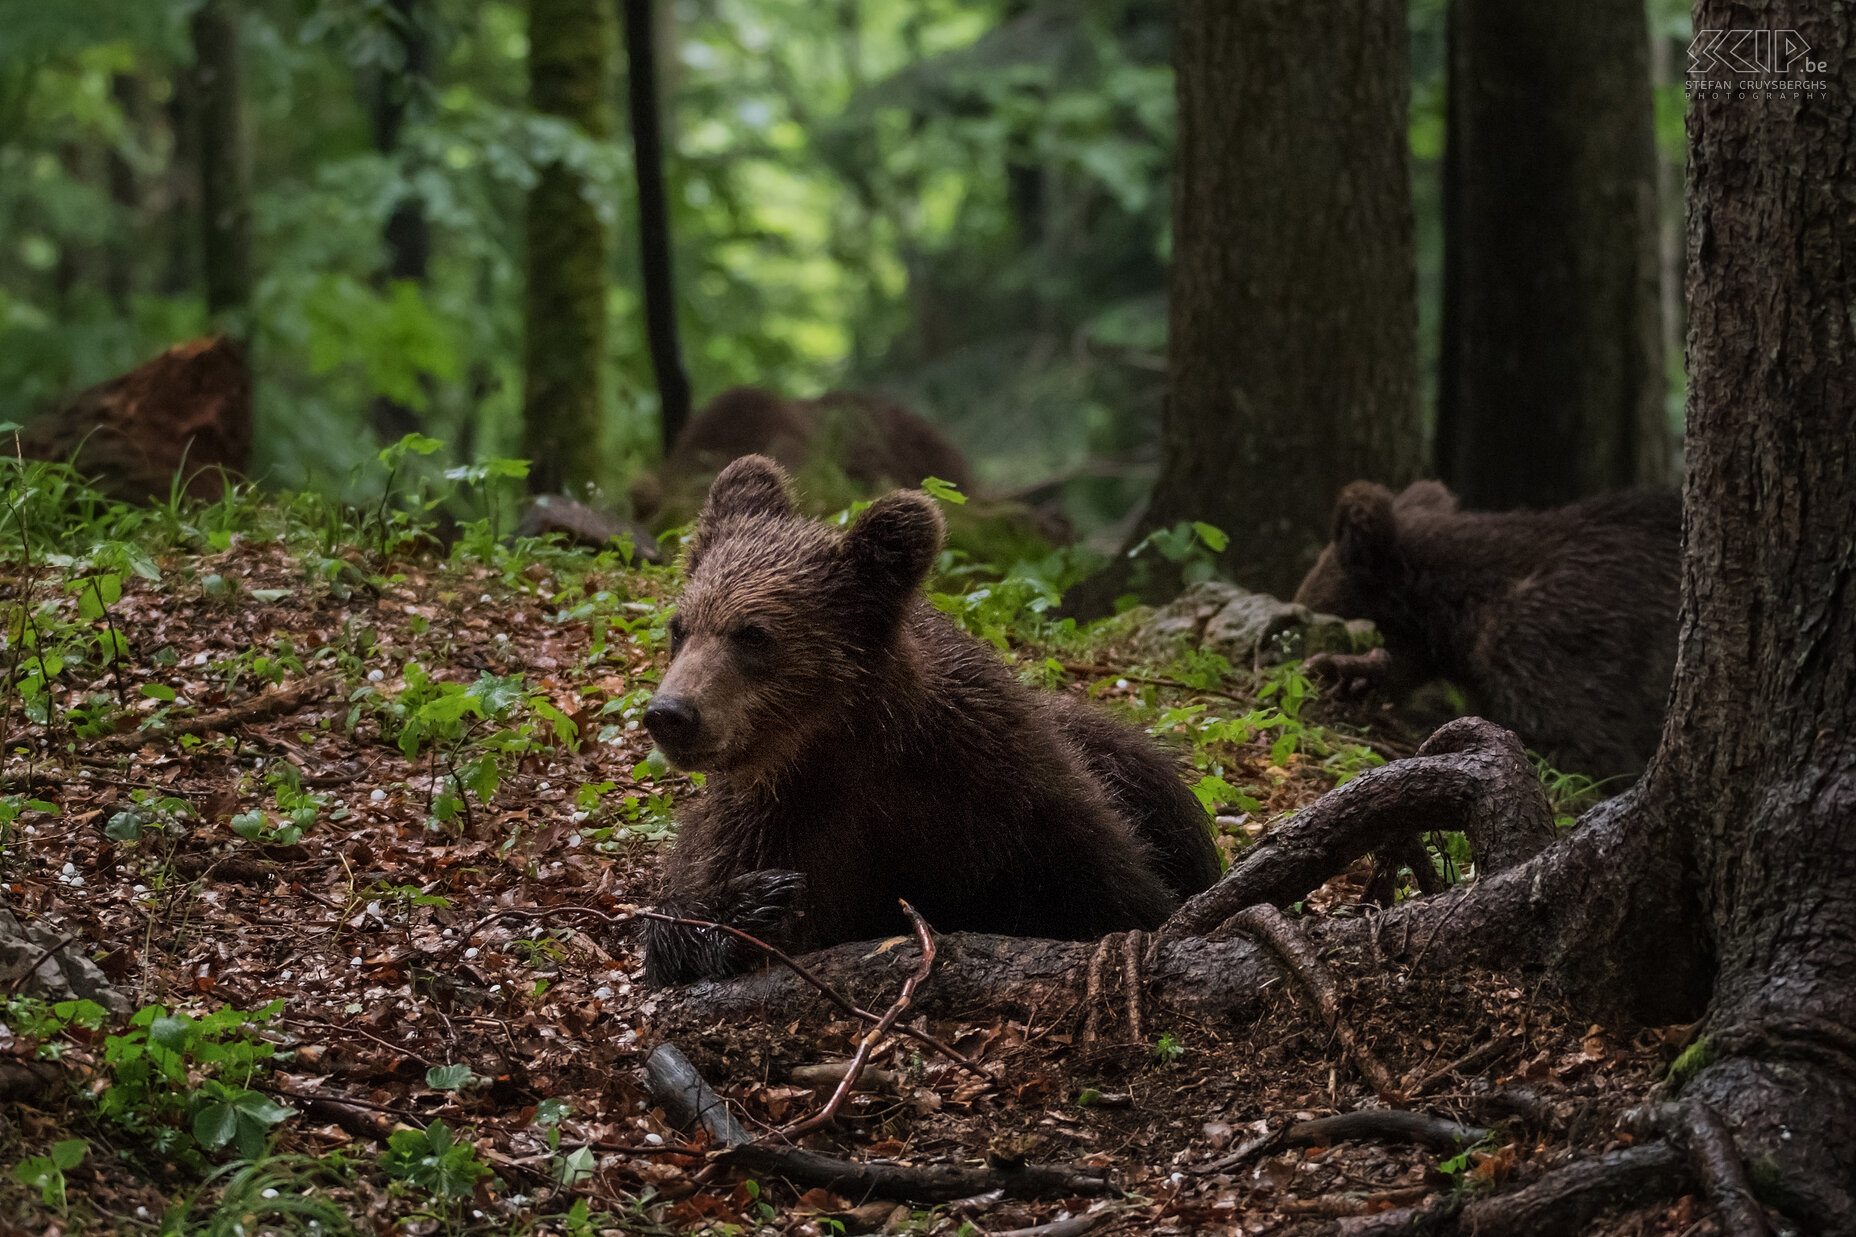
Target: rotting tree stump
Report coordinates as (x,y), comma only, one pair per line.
(187,412)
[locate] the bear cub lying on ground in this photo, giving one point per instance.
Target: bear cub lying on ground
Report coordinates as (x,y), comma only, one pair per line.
(862,748)
(1560,625)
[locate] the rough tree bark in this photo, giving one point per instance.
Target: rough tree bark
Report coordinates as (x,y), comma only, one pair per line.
(398,91)
(1551,383)
(570,50)
(1722,887)
(225,165)
(1292,346)
(654,244)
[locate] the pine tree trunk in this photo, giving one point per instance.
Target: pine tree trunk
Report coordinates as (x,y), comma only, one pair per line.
(225,164)
(1552,382)
(1292,350)
(570,49)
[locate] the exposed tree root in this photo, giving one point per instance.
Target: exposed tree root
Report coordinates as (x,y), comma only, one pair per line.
(1268,922)
(1471,775)
(1561,1204)
(915,1183)
(1699,1130)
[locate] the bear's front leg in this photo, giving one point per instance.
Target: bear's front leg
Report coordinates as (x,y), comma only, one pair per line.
(766,904)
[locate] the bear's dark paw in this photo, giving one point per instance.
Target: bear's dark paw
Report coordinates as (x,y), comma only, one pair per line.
(766,903)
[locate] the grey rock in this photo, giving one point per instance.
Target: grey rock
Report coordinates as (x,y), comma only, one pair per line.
(60,972)
(1247,628)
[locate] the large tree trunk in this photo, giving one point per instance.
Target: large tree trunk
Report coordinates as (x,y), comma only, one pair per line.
(1292,349)
(654,242)
(570,49)
(406,236)
(1758,767)
(1551,383)
(225,165)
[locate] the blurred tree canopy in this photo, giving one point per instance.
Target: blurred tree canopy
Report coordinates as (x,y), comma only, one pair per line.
(962,201)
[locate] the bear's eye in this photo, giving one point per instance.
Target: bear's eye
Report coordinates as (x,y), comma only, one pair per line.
(752,638)
(676,635)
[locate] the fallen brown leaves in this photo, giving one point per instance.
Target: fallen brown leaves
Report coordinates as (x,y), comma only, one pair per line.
(400,946)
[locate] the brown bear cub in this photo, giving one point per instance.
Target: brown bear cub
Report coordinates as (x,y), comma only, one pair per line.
(862,748)
(1560,625)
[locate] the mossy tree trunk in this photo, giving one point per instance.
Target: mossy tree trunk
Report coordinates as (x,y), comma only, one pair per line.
(1551,383)
(224,156)
(1292,349)
(570,51)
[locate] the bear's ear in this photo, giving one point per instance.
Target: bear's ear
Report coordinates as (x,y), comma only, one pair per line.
(751,486)
(1427,496)
(893,543)
(1365,530)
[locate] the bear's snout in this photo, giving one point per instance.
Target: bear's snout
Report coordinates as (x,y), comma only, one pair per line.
(673,721)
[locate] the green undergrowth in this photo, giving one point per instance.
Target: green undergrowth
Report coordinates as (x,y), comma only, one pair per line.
(186,1098)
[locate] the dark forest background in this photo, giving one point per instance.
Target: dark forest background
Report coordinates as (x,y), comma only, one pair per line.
(966,204)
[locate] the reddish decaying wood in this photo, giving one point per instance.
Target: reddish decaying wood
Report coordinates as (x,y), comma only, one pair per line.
(188,411)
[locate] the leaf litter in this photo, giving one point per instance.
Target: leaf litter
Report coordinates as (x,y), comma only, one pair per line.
(426,865)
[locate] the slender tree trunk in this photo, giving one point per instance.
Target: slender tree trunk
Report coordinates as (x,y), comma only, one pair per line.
(1553,383)
(406,236)
(131,94)
(570,50)
(225,165)
(1292,348)
(654,241)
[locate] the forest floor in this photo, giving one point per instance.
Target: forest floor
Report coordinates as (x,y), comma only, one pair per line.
(446,1022)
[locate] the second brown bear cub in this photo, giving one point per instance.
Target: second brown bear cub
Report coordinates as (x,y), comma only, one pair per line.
(862,748)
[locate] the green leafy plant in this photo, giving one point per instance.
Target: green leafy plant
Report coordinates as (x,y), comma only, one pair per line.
(434,1161)
(45,1173)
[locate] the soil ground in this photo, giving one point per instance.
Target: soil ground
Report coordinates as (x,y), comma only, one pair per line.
(495,940)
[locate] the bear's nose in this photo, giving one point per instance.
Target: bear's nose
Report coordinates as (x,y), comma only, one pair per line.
(672,720)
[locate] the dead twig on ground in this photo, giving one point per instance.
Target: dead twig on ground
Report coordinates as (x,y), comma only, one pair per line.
(260,708)
(824,989)
(919,1183)
(923,934)
(45,952)
(687,1099)
(1468,1065)
(1267,923)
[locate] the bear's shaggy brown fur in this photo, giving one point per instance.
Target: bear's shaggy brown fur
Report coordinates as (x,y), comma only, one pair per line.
(874,441)
(1560,625)
(862,748)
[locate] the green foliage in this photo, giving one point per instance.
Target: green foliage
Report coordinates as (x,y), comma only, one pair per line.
(180,1084)
(45,1173)
(433,1161)
(272,1194)
(1168,1050)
